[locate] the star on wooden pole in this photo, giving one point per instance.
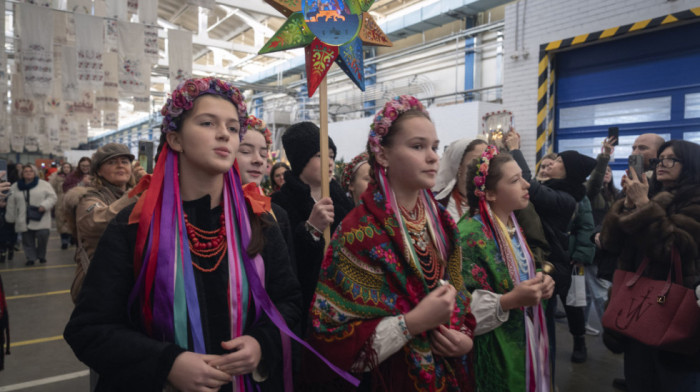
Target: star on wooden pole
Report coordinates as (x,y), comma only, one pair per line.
(330,31)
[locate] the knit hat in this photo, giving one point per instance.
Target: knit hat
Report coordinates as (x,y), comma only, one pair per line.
(107,152)
(301,142)
(578,167)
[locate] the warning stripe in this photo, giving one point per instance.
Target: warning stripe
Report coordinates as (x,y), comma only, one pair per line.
(545,71)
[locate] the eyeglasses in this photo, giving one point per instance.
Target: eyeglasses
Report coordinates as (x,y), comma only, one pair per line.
(665,162)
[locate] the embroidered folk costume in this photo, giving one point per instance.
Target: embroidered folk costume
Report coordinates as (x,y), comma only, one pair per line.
(382,261)
(515,355)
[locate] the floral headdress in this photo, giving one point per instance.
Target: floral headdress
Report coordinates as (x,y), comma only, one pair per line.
(257,124)
(165,291)
(378,130)
(388,114)
(483,171)
(183,97)
(351,168)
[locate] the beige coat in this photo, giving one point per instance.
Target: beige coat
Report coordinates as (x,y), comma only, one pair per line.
(42,195)
(56,182)
(93,208)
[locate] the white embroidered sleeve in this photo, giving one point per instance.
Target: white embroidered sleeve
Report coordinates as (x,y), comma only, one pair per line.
(486,308)
(389,337)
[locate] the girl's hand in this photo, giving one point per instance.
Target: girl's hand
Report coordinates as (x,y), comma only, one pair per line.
(192,373)
(527,293)
(244,357)
(449,342)
(433,310)
(547,285)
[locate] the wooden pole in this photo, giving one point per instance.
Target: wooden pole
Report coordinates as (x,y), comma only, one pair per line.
(325,178)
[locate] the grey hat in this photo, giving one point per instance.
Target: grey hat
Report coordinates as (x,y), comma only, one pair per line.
(107,152)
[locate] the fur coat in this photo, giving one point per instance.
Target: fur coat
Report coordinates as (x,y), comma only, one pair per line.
(668,220)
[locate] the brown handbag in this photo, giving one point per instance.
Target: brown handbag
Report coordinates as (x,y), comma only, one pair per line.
(657,313)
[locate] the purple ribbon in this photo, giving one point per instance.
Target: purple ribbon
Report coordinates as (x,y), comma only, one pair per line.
(165,264)
(262,300)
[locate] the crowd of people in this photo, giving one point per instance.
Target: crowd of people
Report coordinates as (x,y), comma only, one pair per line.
(442,274)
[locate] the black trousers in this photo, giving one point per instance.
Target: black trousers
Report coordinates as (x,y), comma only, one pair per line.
(574,314)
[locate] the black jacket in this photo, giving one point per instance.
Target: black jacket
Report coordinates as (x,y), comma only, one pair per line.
(106,335)
(295,198)
(555,208)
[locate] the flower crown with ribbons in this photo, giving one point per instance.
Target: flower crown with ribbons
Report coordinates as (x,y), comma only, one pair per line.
(257,124)
(182,99)
(388,114)
(483,170)
(351,168)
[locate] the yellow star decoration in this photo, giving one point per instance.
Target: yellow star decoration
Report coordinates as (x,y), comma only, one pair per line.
(329,30)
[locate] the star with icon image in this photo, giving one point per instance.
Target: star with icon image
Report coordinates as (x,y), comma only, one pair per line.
(330,31)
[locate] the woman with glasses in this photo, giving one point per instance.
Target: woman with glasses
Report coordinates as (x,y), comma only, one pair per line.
(639,227)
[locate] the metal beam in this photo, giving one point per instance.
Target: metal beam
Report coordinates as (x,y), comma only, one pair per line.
(179,12)
(216,43)
(256,6)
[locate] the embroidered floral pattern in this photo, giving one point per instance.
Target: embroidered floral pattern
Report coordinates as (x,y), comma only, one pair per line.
(479,275)
(480,179)
(257,124)
(183,97)
(388,114)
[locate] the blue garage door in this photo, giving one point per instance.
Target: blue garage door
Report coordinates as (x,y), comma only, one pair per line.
(645,83)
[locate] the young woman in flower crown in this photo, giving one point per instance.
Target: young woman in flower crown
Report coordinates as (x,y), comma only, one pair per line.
(355,177)
(511,346)
(189,288)
(390,304)
(251,159)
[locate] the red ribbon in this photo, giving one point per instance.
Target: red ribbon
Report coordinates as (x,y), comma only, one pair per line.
(255,198)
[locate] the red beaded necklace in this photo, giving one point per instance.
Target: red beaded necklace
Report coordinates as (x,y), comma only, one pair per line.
(207,243)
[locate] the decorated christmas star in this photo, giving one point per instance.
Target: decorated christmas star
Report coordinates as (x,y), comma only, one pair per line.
(329,30)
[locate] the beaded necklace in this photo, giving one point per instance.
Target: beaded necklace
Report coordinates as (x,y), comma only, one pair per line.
(460,201)
(417,228)
(207,243)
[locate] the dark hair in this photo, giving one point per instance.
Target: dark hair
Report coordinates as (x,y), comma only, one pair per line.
(610,192)
(494,175)
(77,171)
(272,173)
(389,137)
(471,147)
(257,223)
(689,155)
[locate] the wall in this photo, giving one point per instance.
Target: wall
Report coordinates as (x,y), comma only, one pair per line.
(452,122)
(543,21)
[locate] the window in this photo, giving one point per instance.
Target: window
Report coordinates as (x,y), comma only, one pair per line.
(692,137)
(692,106)
(625,112)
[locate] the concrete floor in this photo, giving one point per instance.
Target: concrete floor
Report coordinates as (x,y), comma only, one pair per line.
(39,306)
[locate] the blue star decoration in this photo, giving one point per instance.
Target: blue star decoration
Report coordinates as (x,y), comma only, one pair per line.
(330,31)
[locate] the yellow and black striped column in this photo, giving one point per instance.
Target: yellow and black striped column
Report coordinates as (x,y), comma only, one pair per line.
(546,70)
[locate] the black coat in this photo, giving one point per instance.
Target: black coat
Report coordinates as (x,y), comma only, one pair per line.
(556,209)
(295,198)
(107,337)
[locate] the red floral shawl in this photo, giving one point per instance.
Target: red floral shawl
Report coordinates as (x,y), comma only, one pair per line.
(367,275)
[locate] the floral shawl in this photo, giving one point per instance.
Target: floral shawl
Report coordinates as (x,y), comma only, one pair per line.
(367,275)
(500,355)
